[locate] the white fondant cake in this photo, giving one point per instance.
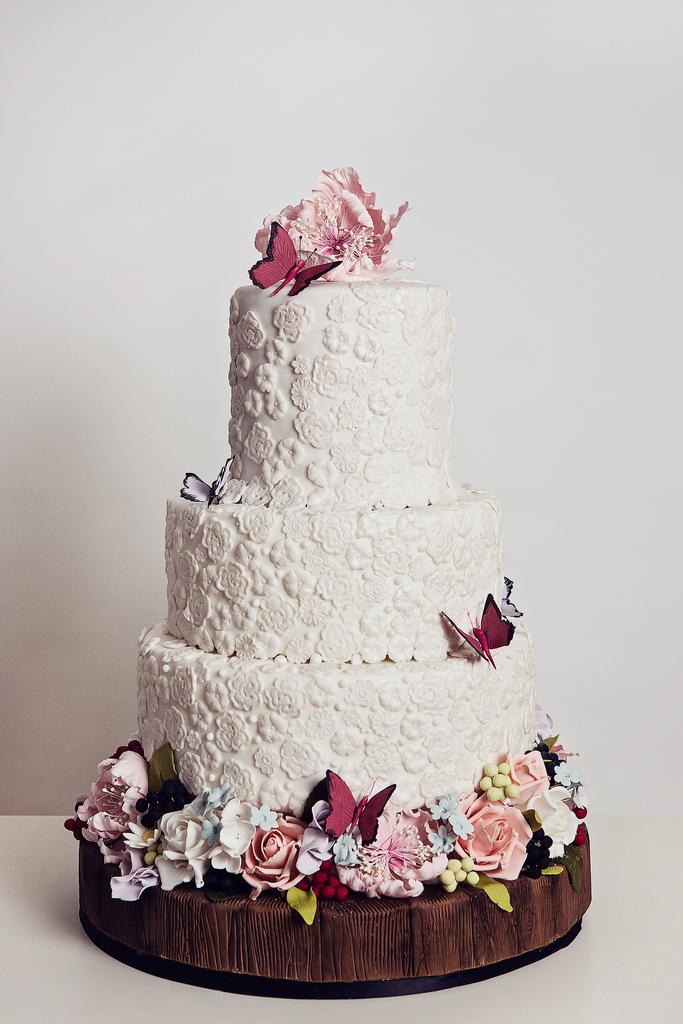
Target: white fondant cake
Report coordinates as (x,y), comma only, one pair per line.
(272,729)
(343,394)
(318,579)
(340,585)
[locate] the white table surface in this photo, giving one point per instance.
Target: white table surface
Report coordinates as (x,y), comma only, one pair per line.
(626,965)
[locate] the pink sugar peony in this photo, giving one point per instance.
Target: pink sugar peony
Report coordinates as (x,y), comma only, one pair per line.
(110,805)
(527,771)
(270,859)
(343,222)
(498,843)
(399,861)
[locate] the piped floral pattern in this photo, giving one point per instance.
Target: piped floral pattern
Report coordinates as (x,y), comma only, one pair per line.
(271,728)
(337,584)
(360,377)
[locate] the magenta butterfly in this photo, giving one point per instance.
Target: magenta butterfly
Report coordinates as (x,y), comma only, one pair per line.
(494,631)
(282,265)
(345,813)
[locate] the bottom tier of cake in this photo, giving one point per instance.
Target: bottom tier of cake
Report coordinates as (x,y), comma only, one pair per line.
(356,949)
(272,728)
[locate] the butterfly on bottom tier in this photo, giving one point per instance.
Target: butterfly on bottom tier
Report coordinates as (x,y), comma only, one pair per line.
(493,632)
(196,489)
(282,265)
(345,814)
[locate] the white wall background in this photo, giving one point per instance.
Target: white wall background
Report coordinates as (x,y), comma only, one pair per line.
(540,144)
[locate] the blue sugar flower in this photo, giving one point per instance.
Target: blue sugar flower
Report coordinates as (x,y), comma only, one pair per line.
(460,824)
(211,826)
(444,806)
(442,840)
(263,817)
(211,799)
(345,851)
(219,797)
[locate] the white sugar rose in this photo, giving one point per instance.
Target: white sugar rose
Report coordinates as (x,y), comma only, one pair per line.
(558,820)
(234,837)
(184,853)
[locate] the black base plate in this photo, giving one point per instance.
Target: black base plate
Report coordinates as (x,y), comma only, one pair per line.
(252,985)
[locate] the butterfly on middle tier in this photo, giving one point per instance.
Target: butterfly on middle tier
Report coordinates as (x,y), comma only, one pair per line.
(493,632)
(345,814)
(282,265)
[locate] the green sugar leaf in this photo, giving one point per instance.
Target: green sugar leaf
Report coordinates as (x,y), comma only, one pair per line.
(496,892)
(573,861)
(551,741)
(162,767)
(532,819)
(305,903)
(554,869)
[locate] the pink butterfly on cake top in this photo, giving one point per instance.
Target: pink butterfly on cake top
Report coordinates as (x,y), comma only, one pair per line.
(283,265)
(340,222)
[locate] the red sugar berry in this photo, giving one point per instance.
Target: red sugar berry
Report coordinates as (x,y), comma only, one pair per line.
(327,865)
(320,877)
(580,812)
(341,893)
(581,835)
(70,824)
(120,751)
(304,884)
(328,892)
(333,880)
(135,746)
(316,888)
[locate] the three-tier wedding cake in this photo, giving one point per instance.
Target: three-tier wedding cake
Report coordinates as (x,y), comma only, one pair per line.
(340,701)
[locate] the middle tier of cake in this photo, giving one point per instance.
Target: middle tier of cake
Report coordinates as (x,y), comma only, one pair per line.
(271,729)
(332,586)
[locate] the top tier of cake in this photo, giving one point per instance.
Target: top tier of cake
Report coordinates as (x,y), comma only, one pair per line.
(343,395)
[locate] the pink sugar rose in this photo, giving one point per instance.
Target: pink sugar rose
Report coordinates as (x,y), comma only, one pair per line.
(110,805)
(270,859)
(343,222)
(527,771)
(399,861)
(498,843)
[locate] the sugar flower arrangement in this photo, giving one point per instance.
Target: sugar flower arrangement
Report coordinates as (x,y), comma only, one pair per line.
(340,221)
(523,819)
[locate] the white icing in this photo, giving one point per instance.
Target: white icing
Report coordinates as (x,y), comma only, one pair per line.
(343,395)
(341,584)
(272,729)
(340,538)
